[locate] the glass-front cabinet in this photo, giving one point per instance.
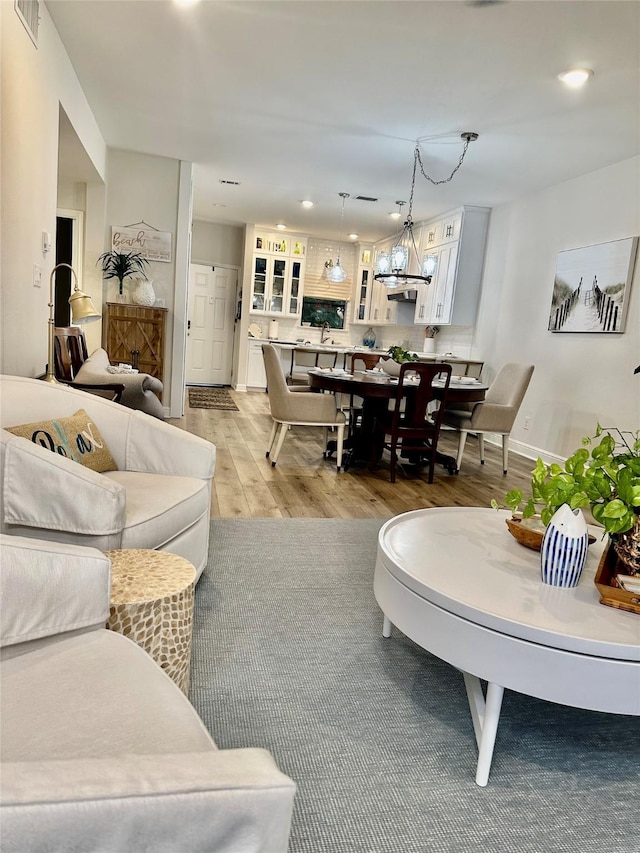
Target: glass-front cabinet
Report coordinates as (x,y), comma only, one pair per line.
(276,286)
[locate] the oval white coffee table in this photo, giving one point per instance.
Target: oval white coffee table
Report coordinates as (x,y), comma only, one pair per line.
(457,583)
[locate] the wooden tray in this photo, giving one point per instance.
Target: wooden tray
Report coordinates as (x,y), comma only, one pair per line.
(612,595)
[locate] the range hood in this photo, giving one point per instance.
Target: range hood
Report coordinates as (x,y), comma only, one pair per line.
(404,295)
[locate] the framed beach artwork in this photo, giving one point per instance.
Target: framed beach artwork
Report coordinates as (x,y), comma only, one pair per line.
(591,287)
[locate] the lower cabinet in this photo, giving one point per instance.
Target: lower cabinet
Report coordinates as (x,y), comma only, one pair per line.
(256,377)
(135,335)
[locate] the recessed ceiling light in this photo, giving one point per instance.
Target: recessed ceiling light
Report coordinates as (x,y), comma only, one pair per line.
(186,2)
(575,77)
(281,226)
(353,236)
(307,203)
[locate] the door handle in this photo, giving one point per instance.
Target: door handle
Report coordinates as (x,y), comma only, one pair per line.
(188,324)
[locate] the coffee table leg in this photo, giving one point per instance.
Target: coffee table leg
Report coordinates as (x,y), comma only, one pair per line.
(485,714)
(386,627)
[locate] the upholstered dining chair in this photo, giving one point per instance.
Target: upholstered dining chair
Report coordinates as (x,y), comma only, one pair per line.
(409,429)
(496,413)
(297,409)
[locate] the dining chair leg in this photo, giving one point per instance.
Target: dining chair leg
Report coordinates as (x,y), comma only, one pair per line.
(505,452)
(481,447)
(325,440)
(280,441)
(461,443)
(272,438)
(340,444)
(394,461)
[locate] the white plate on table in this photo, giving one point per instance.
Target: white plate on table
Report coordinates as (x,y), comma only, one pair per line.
(463,380)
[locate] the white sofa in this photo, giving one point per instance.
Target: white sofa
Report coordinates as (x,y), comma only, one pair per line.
(159,497)
(100,750)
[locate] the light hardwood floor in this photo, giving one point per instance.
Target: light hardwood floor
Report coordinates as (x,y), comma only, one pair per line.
(303,484)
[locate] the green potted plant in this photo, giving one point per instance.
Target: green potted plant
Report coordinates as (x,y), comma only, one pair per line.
(122,265)
(398,355)
(604,476)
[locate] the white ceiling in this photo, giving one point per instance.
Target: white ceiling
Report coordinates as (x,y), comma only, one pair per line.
(306,99)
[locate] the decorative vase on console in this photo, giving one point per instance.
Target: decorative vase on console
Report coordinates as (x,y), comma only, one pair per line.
(564,548)
(144,294)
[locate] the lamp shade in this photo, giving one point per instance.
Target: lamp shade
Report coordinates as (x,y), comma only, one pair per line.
(82,308)
(337,273)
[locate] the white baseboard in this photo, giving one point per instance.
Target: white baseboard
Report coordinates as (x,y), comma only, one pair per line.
(526,450)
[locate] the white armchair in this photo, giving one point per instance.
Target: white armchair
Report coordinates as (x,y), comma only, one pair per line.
(159,497)
(101,751)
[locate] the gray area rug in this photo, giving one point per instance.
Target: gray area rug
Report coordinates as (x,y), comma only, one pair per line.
(288,655)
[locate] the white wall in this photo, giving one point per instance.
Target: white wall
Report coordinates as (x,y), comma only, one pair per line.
(35,82)
(213,243)
(144,187)
(579,379)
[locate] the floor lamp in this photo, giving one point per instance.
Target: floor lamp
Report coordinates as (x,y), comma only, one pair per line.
(82,311)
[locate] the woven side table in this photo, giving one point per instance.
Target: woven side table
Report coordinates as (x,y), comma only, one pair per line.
(152,604)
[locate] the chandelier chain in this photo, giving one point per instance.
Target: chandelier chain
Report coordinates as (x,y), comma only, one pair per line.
(418,159)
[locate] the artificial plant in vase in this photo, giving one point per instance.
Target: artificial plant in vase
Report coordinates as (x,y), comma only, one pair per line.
(122,265)
(604,477)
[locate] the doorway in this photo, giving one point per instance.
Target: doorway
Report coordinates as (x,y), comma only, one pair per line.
(69,235)
(210,324)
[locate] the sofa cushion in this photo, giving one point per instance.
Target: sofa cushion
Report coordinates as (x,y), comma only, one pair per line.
(91,696)
(159,506)
(77,437)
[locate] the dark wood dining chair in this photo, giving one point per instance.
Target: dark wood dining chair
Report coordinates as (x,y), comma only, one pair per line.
(409,429)
(70,353)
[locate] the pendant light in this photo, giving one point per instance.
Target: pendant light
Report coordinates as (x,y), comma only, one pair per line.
(392,268)
(337,272)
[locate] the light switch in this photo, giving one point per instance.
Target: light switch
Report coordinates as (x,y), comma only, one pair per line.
(37,275)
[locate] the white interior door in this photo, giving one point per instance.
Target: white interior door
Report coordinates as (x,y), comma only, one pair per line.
(211,310)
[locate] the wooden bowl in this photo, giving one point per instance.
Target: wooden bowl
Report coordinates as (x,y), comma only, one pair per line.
(523,534)
(529,536)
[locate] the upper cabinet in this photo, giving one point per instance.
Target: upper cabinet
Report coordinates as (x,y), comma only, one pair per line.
(370,303)
(452,250)
(277,276)
(276,243)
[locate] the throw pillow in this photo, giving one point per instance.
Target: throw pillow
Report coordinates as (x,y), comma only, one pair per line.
(76,437)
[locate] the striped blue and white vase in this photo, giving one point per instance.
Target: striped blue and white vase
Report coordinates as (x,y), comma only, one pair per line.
(564,547)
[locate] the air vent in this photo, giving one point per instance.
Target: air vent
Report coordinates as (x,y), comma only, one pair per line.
(365,198)
(230,183)
(29,13)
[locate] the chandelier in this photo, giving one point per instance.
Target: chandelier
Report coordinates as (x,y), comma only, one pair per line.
(392,267)
(337,273)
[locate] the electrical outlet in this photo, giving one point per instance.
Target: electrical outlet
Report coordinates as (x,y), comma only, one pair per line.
(527,421)
(37,276)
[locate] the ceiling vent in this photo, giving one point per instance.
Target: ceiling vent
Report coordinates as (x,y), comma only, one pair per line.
(365,198)
(29,13)
(230,183)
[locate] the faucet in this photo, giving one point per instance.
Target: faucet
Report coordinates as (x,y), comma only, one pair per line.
(325,333)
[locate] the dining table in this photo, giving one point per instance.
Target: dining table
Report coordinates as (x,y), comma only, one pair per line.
(376,388)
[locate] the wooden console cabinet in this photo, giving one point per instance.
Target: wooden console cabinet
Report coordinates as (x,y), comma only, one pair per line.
(135,335)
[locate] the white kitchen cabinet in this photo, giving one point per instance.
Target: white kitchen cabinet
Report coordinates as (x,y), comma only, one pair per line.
(363,285)
(383,311)
(276,243)
(256,376)
(276,285)
(455,243)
